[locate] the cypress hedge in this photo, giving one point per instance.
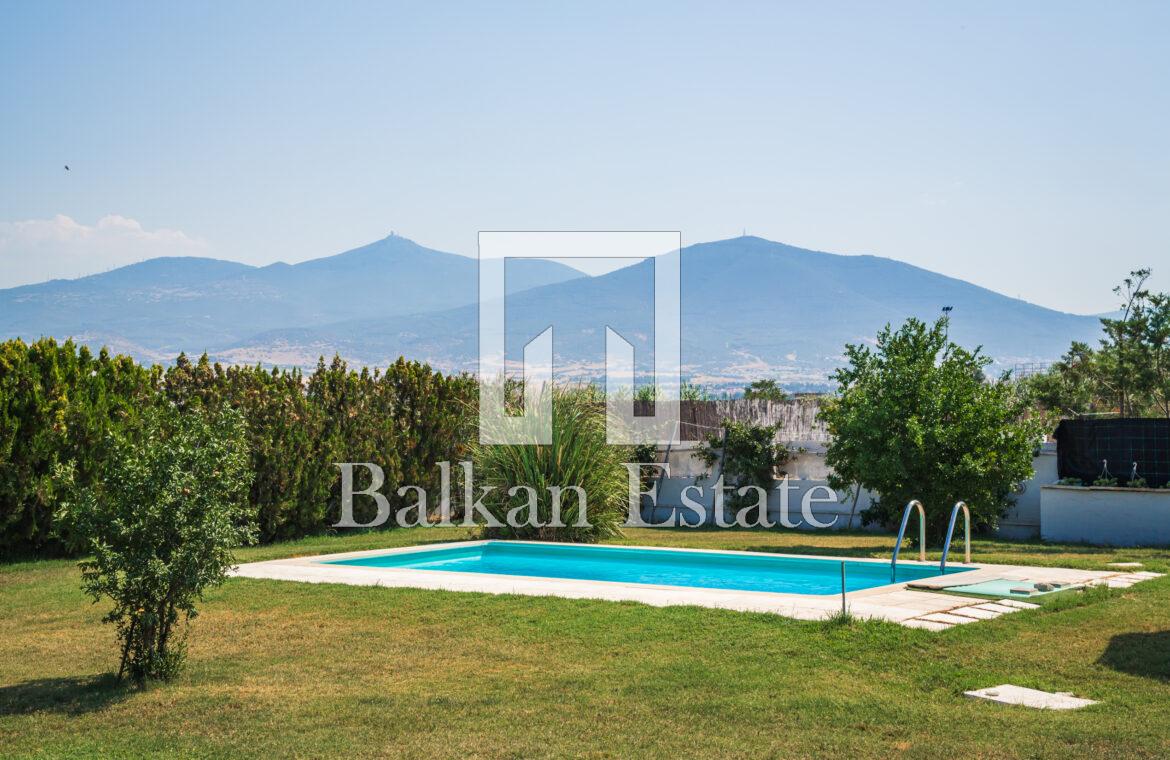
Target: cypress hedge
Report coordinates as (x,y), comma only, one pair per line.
(60,405)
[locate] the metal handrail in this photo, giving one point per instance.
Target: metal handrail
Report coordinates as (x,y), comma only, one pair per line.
(951,534)
(902,534)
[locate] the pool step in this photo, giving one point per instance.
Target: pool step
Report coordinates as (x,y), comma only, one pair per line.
(967,613)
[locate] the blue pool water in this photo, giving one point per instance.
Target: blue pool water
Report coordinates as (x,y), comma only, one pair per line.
(760,572)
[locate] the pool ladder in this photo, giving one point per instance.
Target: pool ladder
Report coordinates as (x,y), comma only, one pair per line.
(902,534)
(942,566)
(916,504)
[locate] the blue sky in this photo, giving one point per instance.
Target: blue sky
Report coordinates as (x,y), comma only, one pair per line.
(1023,147)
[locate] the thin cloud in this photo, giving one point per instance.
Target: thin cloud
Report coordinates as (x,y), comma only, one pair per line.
(44,249)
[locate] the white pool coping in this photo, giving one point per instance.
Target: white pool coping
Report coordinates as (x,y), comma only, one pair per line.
(893,602)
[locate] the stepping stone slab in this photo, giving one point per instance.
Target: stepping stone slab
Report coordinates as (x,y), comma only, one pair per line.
(1017,604)
(1041,700)
(997,607)
(974,612)
(1124,564)
(944,617)
(926,625)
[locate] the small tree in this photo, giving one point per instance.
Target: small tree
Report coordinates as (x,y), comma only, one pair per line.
(916,419)
(765,390)
(161,528)
(1126,357)
(1128,374)
(750,457)
(1070,386)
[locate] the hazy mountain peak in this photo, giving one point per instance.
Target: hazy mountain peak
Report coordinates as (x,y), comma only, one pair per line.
(751,308)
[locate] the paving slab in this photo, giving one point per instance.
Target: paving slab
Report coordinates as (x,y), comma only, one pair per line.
(974,612)
(928,625)
(997,607)
(1009,694)
(946,617)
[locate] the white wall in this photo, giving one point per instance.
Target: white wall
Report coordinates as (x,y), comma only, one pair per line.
(1023,518)
(1108,516)
(834,514)
(808,470)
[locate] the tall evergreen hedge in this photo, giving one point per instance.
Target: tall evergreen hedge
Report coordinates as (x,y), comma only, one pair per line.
(59,404)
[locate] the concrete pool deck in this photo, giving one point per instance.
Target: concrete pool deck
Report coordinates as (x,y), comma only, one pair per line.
(895,602)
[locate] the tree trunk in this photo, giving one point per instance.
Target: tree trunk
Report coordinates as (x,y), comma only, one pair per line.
(853,509)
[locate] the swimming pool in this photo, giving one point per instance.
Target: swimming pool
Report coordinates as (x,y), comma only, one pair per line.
(662,567)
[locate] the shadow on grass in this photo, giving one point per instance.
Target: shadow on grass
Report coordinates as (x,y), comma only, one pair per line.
(69,696)
(1139,654)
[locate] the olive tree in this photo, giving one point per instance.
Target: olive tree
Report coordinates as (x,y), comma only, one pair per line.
(915,418)
(160,528)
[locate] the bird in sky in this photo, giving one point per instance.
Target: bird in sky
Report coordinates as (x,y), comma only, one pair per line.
(66,167)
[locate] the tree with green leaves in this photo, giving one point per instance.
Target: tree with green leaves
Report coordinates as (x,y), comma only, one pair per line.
(687,391)
(58,404)
(1128,374)
(1158,335)
(916,418)
(765,390)
(749,454)
(161,527)
(1126,358)
(1070,386)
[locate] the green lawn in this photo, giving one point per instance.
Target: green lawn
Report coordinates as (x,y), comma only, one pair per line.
(287,669)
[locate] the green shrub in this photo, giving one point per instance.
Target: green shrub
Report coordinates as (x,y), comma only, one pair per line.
(291,464)
(578,457)
(765,390)
(915,417)
(58,404)
(161,527)
(750,457)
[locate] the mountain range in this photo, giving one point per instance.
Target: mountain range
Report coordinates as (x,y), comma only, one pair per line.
(751,308)
(157,308)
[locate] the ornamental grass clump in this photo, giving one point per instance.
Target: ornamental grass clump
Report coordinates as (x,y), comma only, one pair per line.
(532,485)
